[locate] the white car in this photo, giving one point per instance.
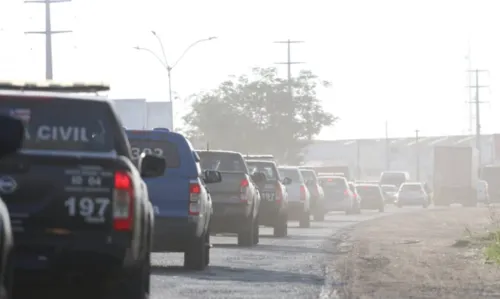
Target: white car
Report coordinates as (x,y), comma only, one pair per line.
(412,194)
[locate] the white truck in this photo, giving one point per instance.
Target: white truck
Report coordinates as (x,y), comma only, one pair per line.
(159,115)
(132,112)
(456,175)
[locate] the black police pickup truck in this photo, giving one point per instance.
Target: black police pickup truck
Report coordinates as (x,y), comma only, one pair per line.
(78,205)
(235,198)
(273,210)
(11,138)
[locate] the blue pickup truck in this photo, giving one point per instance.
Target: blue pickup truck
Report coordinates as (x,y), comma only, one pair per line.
(180,199)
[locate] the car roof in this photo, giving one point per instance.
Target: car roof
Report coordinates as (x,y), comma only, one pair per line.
(53,94)
(261,162)
(331,177)
(368,185)
(218,151)
(289,167)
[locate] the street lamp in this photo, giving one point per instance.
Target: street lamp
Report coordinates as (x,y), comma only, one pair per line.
(164,62)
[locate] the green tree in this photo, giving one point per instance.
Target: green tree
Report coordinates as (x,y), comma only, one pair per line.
(255,114)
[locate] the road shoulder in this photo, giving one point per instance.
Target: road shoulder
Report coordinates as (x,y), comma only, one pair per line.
(421,254)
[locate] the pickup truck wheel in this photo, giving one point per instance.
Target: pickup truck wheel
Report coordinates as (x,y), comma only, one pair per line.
(305,221)
(194,257)
(207,249)
(135,283)
(245,236)
(256,232)
(281,226)
(319,216)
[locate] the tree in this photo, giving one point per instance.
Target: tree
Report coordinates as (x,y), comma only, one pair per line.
(254,114)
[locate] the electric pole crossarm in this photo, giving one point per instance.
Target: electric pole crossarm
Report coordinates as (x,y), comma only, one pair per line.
(289,62)
(48,32)
(44,32)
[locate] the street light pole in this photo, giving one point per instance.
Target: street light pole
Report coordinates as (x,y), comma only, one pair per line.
(164,62)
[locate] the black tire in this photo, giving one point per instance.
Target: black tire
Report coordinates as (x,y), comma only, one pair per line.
(256,232)
(319,216)
(281,226)
(245,236)
(207,248)
(136,281)
(305,220)
(195,255)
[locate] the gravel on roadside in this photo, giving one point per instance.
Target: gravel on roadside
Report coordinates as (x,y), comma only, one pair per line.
(435,253)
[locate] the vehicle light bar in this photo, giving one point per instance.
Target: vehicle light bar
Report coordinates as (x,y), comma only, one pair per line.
(74,87)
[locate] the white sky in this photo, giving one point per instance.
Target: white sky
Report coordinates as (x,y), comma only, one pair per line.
(401,61)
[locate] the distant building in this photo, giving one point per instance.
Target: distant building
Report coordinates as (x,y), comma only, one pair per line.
(402,153)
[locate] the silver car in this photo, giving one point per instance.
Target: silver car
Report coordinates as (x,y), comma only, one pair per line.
(299,197)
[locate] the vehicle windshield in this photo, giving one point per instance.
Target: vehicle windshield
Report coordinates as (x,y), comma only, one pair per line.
(308,175)
(291,173)
(411,187)
(47,128)
(222,161)
(365,190)
(266,168)
(161,148)
(333,183)
(389,188)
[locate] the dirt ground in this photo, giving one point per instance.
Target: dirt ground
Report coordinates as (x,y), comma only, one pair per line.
(423,254)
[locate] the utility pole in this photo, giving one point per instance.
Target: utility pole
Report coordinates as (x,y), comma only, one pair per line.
(478,115)
(471,97)
(48,32)
(387,147)
(417,152)
(289,62)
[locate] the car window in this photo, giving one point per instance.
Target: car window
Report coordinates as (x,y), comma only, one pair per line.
(368,190)
(291,173)
(161,148)
(56,124)
(267,169)
(308,175)
(389,188)
(333,183)
(411,188)
(222,161)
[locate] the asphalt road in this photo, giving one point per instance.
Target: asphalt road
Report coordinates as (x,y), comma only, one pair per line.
(292,267)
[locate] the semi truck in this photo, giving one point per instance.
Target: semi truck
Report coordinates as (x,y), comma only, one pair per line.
(456,175)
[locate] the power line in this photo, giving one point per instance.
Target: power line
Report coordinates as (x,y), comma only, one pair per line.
(477,105)
(48,32)
(289,62)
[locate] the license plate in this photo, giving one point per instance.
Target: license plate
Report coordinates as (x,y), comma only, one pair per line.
(268,196)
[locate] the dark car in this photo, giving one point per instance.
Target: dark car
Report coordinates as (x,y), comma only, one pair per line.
(11,137)
(236,198)
(78,205)
(180,197)
(273,211)
(371,197)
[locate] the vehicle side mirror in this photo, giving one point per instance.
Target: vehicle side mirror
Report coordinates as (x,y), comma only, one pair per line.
(259,177)
(212,176)
(11,135)
(287,181)
(151,166)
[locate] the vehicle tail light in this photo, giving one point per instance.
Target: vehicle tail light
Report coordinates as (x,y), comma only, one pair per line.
(243,190)
(302,192)
(279,193)
(194,198)
(123,202)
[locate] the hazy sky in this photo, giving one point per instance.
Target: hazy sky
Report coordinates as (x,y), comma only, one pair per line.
(401,61)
